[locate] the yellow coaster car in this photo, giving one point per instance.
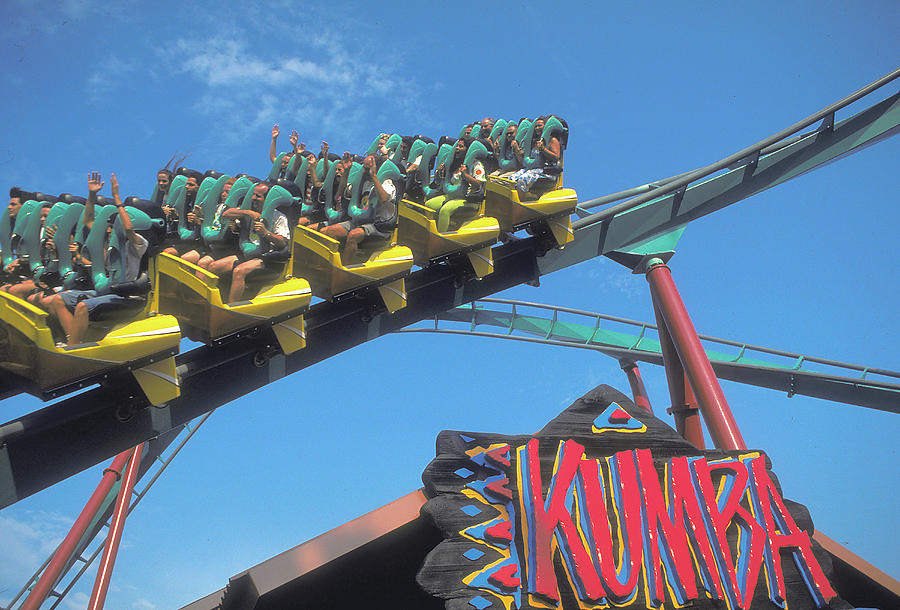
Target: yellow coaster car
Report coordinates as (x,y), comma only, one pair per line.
(317,258)
(195,297)
(473,238)
(515,210)
(145,342)
(192,294)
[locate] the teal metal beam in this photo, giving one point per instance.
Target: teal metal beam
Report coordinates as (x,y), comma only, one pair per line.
(790,377)
(600,234)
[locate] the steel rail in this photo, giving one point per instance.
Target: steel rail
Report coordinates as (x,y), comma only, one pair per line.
(48,445)
(799,358)
(745,153)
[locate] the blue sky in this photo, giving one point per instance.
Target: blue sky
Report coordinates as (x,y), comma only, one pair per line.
(648,89)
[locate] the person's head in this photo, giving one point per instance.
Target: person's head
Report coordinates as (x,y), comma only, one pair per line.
(226,189)
(15,202)
(459,147)
(487,123)
(405,144)
(45,209)
(191,185)
(468,130)
(163,179)
(511,130)
(259,196)
(538,126)
(285,159)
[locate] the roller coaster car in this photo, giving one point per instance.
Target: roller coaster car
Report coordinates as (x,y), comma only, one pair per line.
(132,338)
(195,296)
(548,204)
(470,234)
(515,210)
(380,264)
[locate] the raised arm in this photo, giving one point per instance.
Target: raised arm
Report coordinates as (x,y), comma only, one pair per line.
(272,153)
(94,185)
(132,235)
(383,195)
(311,172)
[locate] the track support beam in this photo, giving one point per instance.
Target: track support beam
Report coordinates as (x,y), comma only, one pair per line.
(641,398)
(108,561)
(69,544)
(719,420)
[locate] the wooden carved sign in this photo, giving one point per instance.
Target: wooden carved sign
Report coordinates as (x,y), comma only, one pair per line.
(609,507)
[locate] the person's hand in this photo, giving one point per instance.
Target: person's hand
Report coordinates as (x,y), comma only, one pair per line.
(259,227)
(73,248)
(540,145)
(10,267)
(252,214)
(515,145)
(324,147)
(94,182)
(49,232)
(169,211)
(462,169)
(192,218)
(275,131)
(114,185)
(295,137)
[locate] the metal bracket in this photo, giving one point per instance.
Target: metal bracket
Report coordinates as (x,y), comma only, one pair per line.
(827,123)
(683,408)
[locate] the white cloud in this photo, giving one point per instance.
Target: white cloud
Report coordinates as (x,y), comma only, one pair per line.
(320,83)
(143,604)
(103,81)
(76,600)
(25,542)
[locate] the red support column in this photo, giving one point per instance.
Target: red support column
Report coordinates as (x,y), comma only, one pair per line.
(719,420)
(104,571)
(684,405)
(691,416)
(641,399)
(67,547)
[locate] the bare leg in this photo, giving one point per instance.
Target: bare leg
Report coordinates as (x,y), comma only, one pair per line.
(355,236)
(57,308)
(79,324)
(192,257)
(222,266)
(22,289)
(239,278)
(335,232)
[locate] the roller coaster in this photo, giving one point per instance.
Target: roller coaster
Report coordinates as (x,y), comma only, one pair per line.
(436,261)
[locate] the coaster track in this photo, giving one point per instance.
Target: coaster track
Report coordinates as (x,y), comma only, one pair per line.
(63,438)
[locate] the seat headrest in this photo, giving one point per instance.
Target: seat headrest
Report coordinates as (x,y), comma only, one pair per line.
(70,198)
(290,187)
(44,197)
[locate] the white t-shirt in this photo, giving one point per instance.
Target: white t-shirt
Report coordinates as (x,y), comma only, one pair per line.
(131,258)
(389,188)
(279,227)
